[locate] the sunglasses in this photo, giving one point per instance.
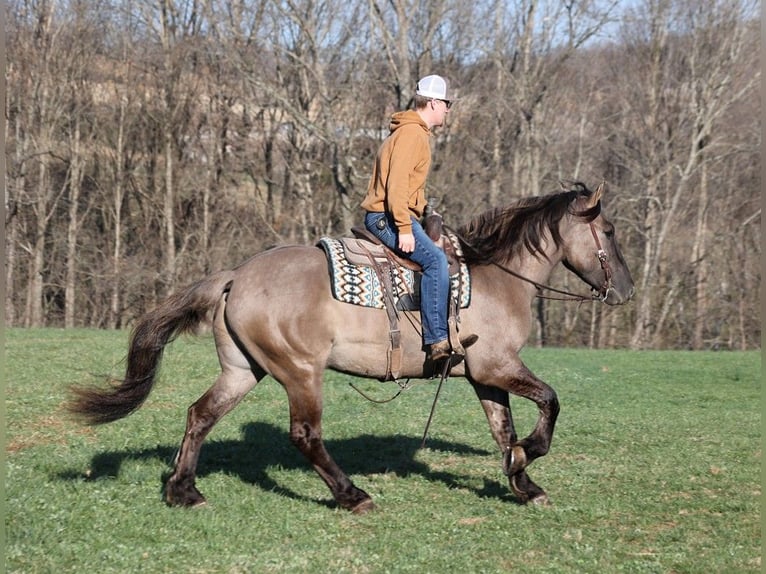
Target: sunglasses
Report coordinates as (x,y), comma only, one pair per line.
(447,103)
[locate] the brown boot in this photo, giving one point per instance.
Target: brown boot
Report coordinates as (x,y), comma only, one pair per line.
(440,350)
(444,349)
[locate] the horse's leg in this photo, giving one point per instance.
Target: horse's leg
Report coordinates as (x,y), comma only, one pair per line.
(496,405)
(306,435)
(221,398)
(237,378)
(520,381)
(524,383)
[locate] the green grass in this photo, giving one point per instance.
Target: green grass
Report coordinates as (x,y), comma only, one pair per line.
(655,467)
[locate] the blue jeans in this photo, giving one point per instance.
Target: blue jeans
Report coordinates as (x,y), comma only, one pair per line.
(434,284)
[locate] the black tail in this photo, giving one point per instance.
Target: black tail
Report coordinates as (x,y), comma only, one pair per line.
(180,313)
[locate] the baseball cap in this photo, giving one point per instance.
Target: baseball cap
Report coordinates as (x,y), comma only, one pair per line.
(432,87)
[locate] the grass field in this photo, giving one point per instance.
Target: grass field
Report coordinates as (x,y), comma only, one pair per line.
(655,467)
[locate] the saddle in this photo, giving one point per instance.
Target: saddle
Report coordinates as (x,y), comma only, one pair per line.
(364,243)
(366,250)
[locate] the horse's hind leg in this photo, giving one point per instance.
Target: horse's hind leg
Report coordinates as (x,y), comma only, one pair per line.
(306,435)
(237,378)
(496,405)
(221,398)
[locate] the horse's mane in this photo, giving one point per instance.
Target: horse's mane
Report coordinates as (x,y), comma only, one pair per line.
(501,233)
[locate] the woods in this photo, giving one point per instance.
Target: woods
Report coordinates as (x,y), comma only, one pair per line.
(150,142)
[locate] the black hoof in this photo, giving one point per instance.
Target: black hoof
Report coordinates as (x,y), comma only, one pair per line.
(183,495)
(527,491)
(364,507)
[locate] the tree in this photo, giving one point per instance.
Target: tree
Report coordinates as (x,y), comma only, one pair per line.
(177,137)
(676,93)
(38,105)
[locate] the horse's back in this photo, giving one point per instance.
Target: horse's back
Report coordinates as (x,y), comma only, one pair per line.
(275,282)
(281,308)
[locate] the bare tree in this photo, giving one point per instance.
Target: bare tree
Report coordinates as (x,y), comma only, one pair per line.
(38,103)
(677,91)
(172,28)
(201,131)
(81,48)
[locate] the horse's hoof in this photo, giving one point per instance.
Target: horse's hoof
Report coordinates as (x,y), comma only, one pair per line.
(187,503)
(185,498)
(528,492)
(364,507)
(514,461)
(522,495)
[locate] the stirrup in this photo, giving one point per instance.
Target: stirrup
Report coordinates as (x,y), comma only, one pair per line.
(443,349)
(440,350)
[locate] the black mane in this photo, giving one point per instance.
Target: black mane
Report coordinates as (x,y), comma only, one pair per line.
(501,233)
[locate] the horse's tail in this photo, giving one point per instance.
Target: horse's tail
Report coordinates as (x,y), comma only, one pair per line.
(180,313)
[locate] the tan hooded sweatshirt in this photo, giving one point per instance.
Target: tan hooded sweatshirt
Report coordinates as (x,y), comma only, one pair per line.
(401,167)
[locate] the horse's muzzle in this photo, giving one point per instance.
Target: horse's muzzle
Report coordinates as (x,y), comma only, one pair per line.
(618,296)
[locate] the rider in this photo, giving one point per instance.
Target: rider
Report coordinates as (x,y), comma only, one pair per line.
(396,200)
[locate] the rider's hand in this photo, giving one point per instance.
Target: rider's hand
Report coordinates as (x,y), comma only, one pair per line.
(407,242)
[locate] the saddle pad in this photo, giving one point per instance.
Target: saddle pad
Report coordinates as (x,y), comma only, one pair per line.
(359,284)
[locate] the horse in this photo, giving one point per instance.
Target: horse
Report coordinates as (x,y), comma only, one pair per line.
(275,315)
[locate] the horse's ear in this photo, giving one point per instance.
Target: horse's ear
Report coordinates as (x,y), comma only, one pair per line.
(596,195)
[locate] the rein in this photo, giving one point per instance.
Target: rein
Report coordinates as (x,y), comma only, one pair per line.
(403,386)
(567,295)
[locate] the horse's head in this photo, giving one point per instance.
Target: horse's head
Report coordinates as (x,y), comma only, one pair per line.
(592,253)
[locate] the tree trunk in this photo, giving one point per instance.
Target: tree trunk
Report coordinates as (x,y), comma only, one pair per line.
(168,213)
(34,315)
(644,306)
(498,104)
(73,225)
(117,200)
(11,220)
(699,261)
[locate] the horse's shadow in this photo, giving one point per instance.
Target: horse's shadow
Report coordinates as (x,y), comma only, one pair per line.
(265,447)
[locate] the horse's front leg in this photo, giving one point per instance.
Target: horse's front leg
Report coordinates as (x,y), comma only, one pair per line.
(524,383)
(496,405)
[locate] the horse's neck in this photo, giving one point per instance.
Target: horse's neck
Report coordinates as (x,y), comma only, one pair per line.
(535,269)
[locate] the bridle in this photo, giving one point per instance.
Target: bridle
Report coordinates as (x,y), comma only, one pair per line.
(590,215)
(603,258)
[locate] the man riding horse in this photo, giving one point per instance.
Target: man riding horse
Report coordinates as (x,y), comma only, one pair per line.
(396,200)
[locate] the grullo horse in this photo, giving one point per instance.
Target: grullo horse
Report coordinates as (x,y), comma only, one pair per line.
(275,315)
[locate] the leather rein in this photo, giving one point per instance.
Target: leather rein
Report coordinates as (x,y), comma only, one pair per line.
(565,295)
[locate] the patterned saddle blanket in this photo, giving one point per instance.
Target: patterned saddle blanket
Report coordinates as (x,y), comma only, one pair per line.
(355,280)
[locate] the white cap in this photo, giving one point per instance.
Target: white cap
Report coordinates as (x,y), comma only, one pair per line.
(432,87)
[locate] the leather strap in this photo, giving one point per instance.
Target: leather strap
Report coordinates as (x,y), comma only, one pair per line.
(384,268)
